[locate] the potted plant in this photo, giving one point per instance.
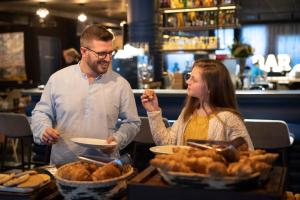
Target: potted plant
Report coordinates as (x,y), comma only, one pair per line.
(241,51)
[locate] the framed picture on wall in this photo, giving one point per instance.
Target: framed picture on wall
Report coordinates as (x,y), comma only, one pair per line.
(12,59)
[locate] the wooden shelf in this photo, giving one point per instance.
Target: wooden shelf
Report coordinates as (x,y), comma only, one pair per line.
(199,9)
(186,50)
(197,28)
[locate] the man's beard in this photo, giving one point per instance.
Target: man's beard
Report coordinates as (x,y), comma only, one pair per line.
(98,67)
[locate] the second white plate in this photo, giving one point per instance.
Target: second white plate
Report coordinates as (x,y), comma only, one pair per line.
(165,149)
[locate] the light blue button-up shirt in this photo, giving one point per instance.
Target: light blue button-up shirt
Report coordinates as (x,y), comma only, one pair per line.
(79,109)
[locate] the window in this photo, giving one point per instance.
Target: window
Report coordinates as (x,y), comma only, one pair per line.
(289,44)
(226,38)
(256,36)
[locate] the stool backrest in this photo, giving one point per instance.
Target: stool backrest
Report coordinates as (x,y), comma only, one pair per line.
(14,125)
(144,135)
(268,134)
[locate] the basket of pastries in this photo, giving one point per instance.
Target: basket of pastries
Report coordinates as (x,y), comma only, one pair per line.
(85,180)
(209,168)
(23,182)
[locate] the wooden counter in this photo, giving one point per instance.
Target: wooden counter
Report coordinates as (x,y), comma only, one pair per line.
(148,185)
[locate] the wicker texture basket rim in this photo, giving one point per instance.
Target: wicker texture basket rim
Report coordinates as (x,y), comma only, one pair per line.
(100,182)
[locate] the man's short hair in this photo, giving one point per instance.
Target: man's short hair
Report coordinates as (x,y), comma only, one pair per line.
(95,32)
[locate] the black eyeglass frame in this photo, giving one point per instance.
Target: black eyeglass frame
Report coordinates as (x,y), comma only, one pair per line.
(102,55)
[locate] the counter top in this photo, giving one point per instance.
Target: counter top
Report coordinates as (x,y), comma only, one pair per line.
(171,92)
(253,104)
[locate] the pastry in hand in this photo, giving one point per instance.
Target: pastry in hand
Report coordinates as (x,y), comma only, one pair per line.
(149,93)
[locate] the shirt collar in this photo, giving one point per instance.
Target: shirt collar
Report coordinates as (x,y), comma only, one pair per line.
(83,75)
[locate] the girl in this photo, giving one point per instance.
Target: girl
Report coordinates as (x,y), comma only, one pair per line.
(210,111)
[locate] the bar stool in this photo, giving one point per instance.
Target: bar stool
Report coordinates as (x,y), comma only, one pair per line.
(15,126)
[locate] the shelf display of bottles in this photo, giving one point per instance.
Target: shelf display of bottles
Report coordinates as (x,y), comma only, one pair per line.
(207,19)
(174,43)
(193,3)
(203,14)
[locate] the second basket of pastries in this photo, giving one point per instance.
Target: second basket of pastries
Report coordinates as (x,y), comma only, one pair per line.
(209,169)
(85,180)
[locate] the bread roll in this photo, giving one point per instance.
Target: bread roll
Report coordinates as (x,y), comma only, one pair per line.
(149,93)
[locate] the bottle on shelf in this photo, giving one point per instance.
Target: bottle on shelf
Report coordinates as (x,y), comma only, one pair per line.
(197,3)
(171,20)
(164,3)
(201,19)
(190,3)
(205,19)
(176,4)
(221,18)
(208,3)
(180,20)
(227,1)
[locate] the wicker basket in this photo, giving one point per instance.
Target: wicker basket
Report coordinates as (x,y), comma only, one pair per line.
(88,189)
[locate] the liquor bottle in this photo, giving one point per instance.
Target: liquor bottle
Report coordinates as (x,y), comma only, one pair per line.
(184,3)
(221,19)
(212,18)
(190,3)
(200,19)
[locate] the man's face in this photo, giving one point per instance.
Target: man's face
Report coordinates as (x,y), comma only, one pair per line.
(98,55)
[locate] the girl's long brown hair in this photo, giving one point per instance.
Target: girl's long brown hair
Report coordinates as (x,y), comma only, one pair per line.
(221,90)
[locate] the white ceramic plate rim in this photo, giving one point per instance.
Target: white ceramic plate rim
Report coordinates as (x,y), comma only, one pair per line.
(165,149)
(93,142)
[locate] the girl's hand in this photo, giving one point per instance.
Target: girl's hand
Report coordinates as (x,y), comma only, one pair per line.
(149,100)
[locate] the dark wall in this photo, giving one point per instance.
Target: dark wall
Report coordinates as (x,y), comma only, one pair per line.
(62,29)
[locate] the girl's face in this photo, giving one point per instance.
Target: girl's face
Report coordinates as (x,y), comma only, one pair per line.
(196,85)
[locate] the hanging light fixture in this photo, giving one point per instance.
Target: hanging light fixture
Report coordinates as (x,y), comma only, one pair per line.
(82,17)
(42,12)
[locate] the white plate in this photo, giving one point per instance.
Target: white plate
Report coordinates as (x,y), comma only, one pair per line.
(166,149)
(93,143)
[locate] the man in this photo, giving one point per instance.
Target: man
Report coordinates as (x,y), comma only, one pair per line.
(86,100)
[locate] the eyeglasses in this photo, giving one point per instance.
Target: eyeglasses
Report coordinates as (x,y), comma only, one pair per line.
(187,76)
(102,55)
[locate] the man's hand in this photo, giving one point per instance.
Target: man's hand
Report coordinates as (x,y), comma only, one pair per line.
(111,149)
(50,136)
